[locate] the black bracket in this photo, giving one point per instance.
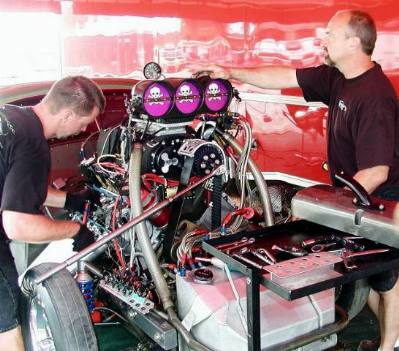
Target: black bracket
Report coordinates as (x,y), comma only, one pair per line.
(362,197)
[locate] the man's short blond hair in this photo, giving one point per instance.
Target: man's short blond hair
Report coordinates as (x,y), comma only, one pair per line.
(78,93)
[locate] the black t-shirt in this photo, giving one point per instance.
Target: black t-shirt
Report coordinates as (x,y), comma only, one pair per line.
(24,161)
(363,119)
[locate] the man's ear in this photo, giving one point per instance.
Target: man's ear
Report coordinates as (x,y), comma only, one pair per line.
(66,115)
(354,42)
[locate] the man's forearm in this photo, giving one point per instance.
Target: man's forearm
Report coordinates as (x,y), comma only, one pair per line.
(372,178)
(36,228)
(273,77)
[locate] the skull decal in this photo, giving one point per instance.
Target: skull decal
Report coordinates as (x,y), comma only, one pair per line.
(214,92)
(155,96)
(185,94)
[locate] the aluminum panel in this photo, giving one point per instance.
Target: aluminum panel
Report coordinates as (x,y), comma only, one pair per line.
(334,208)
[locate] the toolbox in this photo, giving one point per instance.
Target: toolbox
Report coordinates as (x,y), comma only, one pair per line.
(337,241)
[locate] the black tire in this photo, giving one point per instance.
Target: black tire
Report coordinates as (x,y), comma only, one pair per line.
(54,314)
(353,296)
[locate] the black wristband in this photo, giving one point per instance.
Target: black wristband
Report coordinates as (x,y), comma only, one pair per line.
(75,201)
(83,238)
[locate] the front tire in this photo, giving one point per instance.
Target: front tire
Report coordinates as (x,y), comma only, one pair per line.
(54,314)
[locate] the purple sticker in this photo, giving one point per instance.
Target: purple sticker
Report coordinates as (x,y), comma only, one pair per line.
(158,99)
(217,95)
(188,97)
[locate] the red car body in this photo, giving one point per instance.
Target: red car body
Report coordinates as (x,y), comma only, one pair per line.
(104,38)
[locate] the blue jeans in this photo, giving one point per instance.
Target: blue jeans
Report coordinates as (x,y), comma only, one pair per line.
(9,290)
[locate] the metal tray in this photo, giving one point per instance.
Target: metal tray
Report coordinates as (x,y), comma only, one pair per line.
(306,282)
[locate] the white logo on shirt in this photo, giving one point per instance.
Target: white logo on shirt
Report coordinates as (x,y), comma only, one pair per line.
(5,125)
(341,105)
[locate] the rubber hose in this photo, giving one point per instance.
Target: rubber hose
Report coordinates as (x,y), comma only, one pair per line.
(217,202)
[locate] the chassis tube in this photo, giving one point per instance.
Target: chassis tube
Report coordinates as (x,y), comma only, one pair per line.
(315,334)
(141,229)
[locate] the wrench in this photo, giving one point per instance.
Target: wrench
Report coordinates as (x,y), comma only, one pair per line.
(347,255)
(321,247)
(317,240)
(290,250)
(346,242)
(349,244)
(267,254)
(248,261)
(345,260)
(260,253)
(225,246)
(257,254)
(250,241)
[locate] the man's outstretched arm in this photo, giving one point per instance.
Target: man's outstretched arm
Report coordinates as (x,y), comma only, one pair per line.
(268,77)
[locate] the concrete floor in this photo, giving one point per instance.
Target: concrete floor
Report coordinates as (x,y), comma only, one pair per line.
(363,326)
(114,338)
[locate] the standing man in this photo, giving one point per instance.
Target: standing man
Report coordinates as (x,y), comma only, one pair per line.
(69,107)
(363,128)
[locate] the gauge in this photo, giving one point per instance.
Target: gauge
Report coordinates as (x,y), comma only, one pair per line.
(152,70)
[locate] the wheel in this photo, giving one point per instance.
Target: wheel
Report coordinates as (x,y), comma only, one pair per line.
(54,314)
(353,296)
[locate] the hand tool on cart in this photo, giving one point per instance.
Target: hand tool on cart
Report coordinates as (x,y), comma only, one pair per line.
(224,246)
(267,254)
(255,253)
(320,243)
(229,249)
(349,255)
(322,247)
(349,244)
(317,240)
(247,260)
(290,250)
(263,256)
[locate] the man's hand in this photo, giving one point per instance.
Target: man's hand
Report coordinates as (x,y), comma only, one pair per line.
(215,71)
(265,77)
(82,239)
(76,201)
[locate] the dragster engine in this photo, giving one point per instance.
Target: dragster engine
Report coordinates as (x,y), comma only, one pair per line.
(193,248)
